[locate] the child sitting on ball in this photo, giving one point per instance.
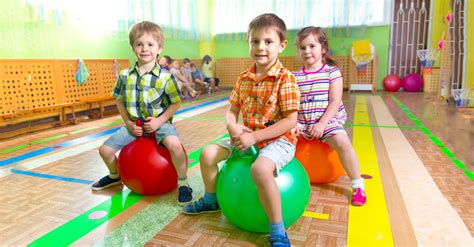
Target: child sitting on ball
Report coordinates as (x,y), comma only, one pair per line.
(267,96)
(149,93)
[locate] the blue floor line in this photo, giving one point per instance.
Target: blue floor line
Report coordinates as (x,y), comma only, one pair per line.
(42,175)
(87,138)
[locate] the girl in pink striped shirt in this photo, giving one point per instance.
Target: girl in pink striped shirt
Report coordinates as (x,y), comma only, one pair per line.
(321,112)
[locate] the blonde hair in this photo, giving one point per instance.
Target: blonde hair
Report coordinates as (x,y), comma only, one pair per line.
(268,21)
(143,27)
(322,38)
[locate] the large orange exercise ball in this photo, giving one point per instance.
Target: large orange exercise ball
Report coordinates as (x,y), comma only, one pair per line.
(238,198)
(320,161)
(146,168)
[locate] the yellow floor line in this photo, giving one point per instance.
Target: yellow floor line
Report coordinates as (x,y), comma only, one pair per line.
(316,215)
(368,225)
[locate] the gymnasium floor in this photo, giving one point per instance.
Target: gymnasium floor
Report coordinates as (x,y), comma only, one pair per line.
(415,153)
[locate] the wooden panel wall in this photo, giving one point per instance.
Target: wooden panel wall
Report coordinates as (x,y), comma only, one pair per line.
(228,69)
(34,83)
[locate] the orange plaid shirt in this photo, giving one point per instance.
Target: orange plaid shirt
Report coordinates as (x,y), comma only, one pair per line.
(263,102)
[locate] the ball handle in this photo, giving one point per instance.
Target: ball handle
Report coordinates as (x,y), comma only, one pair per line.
(251,151)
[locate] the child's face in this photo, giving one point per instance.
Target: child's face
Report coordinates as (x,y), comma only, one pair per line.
(146,49)
(311,52)
(187,65)
(264,47)
(175,64)
(162,62)
(193,68)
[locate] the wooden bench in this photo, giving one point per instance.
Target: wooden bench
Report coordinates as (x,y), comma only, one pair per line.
(62,116)
(100,101)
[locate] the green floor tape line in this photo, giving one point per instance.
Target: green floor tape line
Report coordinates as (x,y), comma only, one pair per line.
(71,231)
(83,130)
(142,226)
(447,152)
(112,123)
(435,140)
(75,229)
(14,148)
(48,139)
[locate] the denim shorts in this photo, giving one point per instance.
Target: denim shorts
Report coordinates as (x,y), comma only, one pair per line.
(123,136)
(281,151)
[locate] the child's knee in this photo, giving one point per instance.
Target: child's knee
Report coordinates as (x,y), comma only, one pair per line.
(260,172)
(212,155)
(106,152)
(174,147)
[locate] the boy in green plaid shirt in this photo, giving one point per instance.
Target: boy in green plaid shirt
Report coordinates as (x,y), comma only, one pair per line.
(149,93)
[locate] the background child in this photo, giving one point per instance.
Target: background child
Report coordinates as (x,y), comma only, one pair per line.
(321,112)
(186,70)
(146,39)
(207,68)
(197,77)
(165,62)
(268,98)
(186,85)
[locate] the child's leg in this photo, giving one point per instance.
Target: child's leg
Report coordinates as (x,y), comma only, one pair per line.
(342,145)
(178,155)
(210,157)
(110,159)
(107,152)
(262,173)
(270,159)
(344,149)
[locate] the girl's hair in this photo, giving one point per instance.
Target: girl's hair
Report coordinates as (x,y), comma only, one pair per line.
(206,59)
(322,38)
(168,59)
(143,27)
(268,21)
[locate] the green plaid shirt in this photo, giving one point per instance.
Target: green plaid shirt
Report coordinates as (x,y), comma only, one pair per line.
(148,95)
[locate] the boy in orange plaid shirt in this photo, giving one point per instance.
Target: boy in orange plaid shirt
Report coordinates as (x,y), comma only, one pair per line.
(267,96)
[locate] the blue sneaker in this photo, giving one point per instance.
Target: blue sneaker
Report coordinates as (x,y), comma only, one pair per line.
(199,207)
(185,195)
(279,240)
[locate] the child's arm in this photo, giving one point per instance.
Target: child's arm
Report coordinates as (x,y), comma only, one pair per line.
(288,122)
(153,123)
(231,118)
(137,131)
(335,97)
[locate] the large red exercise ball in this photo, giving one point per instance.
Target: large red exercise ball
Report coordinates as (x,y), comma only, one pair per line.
(146,168)
(392,83)
(238,196)
(319,160)
(412,83)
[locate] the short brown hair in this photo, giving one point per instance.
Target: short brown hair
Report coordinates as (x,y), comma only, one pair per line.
(267,21)
(143,27)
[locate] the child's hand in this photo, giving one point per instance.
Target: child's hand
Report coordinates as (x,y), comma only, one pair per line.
(236,129)
(317,130)
(151,124)
(135,129)
(244,141)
